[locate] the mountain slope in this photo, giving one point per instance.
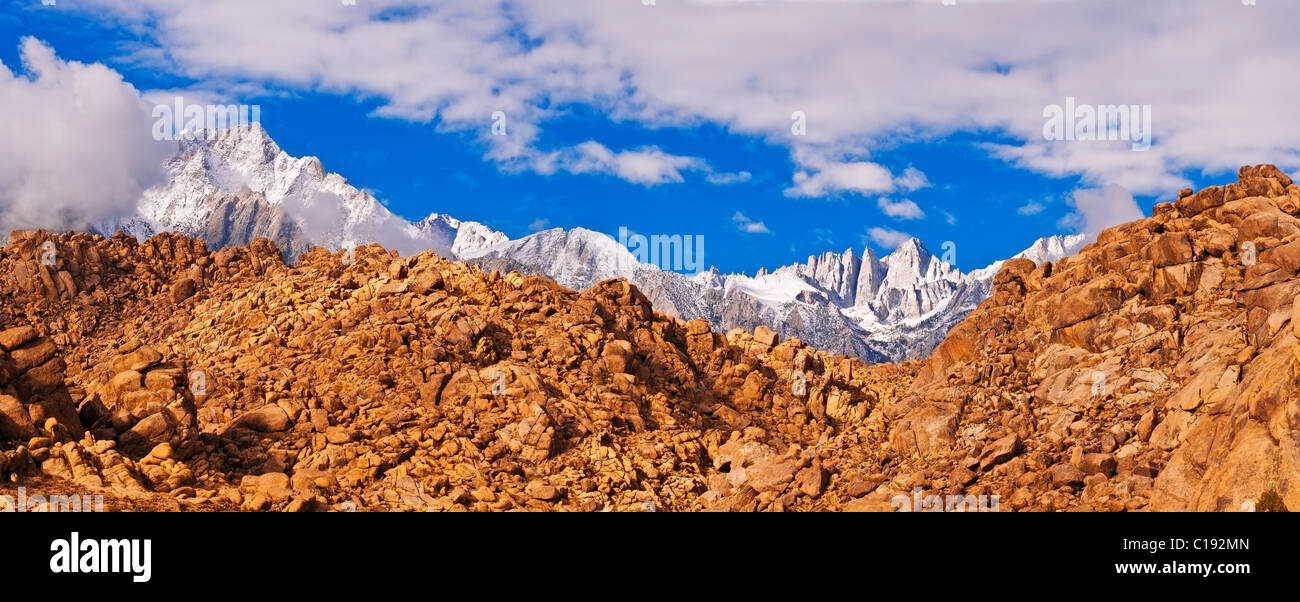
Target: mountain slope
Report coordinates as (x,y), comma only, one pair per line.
(172,376)
(891,309)
(291,201)
(1156,369)
(239,186)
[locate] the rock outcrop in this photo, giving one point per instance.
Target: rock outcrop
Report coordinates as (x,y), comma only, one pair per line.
(1154,370)
(1160,362)
(373,381)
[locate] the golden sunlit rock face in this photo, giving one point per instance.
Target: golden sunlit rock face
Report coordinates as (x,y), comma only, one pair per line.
(1154,370)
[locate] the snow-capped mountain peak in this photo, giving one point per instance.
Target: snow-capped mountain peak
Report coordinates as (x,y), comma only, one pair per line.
(895,308)
(239,185)
(1052,248)
(234,185)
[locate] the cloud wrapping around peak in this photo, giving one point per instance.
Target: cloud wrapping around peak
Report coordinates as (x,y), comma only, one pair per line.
(76,144)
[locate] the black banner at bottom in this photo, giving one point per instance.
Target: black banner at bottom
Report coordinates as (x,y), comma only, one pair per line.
(656,551)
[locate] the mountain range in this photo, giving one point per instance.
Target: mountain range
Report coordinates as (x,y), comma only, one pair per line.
(237,185)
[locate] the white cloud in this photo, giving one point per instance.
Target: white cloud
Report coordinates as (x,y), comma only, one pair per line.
(646,166)
(903,209)
(860,177)
(454,62)
(820,178)
(886,238)
(539,224)
(912,179)
(75,144)
(725,178)
(1098,209)
(1030,208)
(748,226)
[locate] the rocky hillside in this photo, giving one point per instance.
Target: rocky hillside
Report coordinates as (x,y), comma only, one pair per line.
(374,382)
(235,186)
(1153,370)
(890,309)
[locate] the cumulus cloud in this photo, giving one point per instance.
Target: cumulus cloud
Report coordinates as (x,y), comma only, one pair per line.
(648,166)
(76,143)
(1030,208)
(912,179)
(861,177)
(725,178)
(902,209)
(748,226)
(866,74)
(886,238)
(1100,208)
(828,171)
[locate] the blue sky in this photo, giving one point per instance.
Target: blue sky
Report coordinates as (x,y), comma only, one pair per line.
(421,155)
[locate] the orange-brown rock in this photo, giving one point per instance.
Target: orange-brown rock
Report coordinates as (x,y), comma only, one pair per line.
(1158,362)
(1154,370)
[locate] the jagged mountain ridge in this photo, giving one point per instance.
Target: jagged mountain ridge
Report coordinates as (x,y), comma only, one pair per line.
(238,185)
(291,201)
(880,309)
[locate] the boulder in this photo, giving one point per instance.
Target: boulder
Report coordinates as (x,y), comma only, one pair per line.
(267,419)
(15,423)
